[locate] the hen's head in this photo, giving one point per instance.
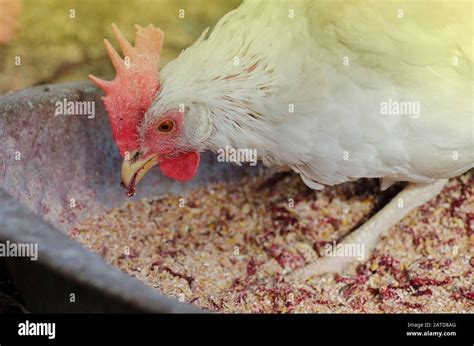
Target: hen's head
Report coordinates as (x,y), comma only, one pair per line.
(145,140)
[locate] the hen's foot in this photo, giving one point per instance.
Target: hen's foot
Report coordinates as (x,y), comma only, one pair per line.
(359,244)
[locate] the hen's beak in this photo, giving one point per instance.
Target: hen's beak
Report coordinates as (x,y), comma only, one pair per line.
(135,168)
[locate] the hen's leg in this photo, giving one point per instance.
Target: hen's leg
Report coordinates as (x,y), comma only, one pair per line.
(367,236)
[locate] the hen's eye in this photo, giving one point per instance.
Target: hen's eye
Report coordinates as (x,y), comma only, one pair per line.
(166,126)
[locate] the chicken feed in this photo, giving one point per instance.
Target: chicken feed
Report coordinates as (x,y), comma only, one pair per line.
(227,247)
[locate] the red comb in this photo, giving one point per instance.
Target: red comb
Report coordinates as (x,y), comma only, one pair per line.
(131,93)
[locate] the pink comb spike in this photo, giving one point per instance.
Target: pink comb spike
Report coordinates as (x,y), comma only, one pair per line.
(123,43)
(103,84)
(114,56)
(131,93)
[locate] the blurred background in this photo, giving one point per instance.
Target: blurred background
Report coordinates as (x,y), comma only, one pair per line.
(51,41)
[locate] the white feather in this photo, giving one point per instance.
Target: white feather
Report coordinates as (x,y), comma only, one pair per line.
(336,132)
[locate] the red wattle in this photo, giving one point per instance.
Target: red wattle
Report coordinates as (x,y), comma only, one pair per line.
(182,167)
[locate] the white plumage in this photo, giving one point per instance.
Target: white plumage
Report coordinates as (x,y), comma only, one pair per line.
(306,82)
(336,90)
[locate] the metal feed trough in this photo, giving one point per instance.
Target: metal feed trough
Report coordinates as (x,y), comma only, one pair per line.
(54,171)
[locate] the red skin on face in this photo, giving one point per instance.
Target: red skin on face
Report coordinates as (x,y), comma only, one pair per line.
(180,167)
(163,143)
(132,92)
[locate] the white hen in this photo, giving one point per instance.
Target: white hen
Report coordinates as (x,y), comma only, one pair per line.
(335,90)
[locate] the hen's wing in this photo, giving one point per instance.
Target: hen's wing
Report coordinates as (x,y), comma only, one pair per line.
(417,51)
